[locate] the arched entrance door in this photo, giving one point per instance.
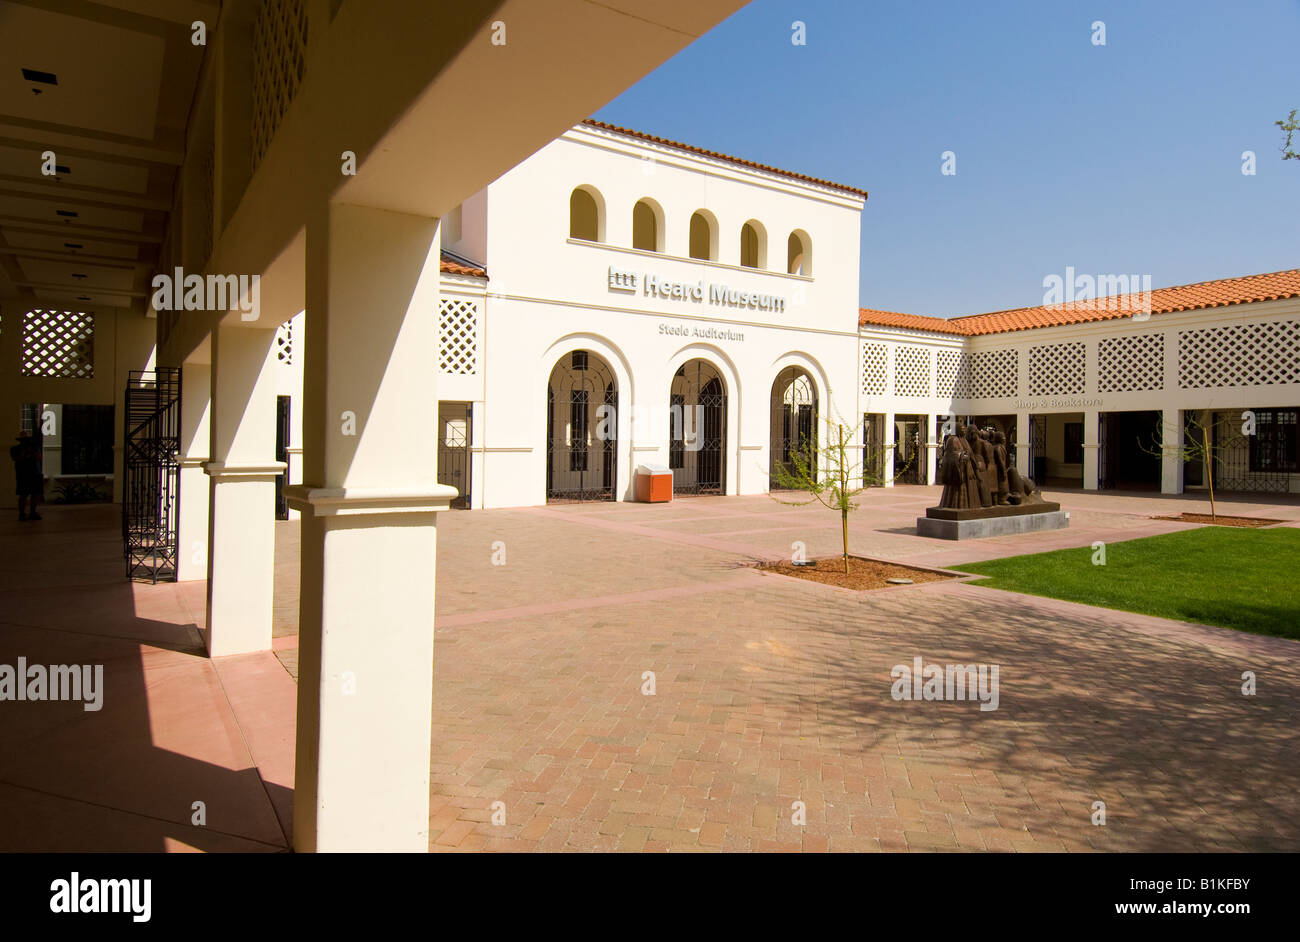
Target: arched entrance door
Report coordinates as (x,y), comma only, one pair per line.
(697,429)
(794,421)
(581,429)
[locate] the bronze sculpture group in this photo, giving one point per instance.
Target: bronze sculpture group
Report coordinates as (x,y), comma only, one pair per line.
(976,472)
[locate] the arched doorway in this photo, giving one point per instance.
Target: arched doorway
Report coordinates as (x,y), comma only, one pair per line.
(794,421)
(581,429)
(697,429)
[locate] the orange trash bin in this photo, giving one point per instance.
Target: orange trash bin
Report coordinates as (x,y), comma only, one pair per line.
(654,483)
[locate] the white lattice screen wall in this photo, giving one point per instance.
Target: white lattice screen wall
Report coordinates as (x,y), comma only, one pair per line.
(279,63)
(458,336)
(1259,354)
(284,343)
(953,374)
(993,373)
(875,359)
(1131,363)
(1057,369)
(59,344)
(911,371)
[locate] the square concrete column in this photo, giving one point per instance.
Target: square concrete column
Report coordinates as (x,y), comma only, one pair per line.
(888,444)
(1023,445)
(242,471)
(1171,459)
(368,502)
(1091,448)
(192,519)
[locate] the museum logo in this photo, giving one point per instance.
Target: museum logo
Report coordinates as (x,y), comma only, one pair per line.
(700,291)
(919,681)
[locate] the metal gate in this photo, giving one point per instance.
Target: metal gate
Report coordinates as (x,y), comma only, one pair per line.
(1038,449)
(873,449)
(282,443)
(1107,463)
(794,422)
(151,474)
(697,430)
(455,423)
(581,429)
(909,451)
(1260,463)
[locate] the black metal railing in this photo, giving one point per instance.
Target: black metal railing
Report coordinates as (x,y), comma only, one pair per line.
(151,474)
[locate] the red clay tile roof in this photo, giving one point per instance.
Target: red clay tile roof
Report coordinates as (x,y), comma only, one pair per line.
(591,122)
(452,265)
(1204,294)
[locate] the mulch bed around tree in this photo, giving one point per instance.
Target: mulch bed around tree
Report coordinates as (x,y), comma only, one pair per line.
(1221,520)
(863,573)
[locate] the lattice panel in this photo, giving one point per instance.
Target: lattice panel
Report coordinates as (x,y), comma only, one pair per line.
(953,374)
(875,366)
(279,63)
(911,371)
(458,336)
(1057,369)
(284,343)
(60,344)
(993,373)
(1259,354)
(1131,363)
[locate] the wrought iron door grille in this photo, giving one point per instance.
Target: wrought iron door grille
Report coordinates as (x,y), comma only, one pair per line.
(151,474)
(698,431)
(581,429)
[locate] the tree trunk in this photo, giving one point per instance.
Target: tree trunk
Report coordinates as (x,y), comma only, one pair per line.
(1209,472)
(844,505)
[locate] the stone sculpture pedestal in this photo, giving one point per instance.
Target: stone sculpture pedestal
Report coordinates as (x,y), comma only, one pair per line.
(975,523)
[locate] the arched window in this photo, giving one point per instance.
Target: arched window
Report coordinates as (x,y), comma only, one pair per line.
(704,236)
(646,228)
(585,217)
(799,253)
(753,245)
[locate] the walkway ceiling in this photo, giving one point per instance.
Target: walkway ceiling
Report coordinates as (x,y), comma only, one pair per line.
(109,91)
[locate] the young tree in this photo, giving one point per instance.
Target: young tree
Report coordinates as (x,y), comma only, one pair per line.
(841,479)
(1202,442)
(1290,126)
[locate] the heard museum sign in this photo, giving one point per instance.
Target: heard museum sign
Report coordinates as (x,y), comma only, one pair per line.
(701,291)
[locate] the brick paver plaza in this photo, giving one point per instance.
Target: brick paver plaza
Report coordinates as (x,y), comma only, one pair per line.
(767,691)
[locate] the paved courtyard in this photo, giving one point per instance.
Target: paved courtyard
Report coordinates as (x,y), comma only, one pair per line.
(771,696)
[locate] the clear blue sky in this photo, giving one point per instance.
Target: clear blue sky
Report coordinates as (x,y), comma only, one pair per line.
(1123,158)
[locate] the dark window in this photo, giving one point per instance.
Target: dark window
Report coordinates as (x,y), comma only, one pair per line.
(676,432)
(578,429)
(1273,446)
(579,361)
(1073,443)
(87,440)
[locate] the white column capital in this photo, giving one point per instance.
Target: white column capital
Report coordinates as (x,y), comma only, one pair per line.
(352,501)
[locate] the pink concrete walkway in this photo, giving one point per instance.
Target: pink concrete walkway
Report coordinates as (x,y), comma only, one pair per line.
(770,691)
(175,728)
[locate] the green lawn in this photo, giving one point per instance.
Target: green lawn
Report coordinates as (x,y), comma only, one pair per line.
(1227,576)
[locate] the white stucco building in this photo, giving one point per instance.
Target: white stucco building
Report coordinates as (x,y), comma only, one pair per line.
(613,269)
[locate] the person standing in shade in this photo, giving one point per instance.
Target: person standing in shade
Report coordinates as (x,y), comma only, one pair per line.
(30,480)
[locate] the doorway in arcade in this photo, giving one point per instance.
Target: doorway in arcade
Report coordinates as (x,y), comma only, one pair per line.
(1128,455)
(909,450)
